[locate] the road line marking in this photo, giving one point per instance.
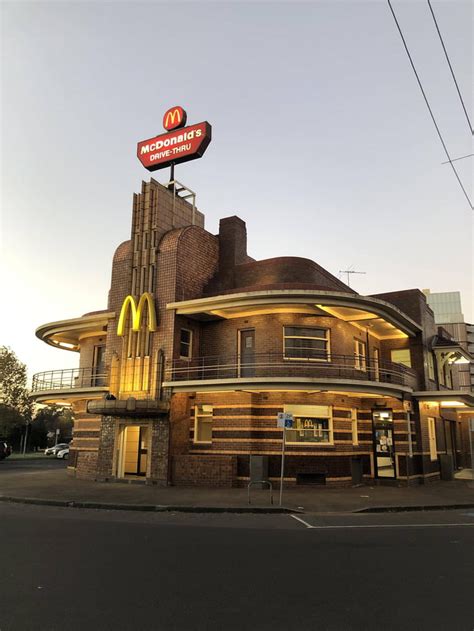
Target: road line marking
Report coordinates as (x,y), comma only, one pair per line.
(383,525)
(304,522)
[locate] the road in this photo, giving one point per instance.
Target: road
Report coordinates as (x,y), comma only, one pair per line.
(83,569)
(13,465)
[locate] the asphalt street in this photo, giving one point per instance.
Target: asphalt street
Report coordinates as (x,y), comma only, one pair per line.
(84,569)
(11,465)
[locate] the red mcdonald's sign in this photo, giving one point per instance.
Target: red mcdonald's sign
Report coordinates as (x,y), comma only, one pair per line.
(179,145)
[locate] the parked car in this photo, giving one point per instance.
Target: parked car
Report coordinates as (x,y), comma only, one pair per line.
(5,450)
(63,453)
(53,451)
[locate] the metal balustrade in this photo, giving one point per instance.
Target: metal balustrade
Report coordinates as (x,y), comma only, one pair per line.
(277,365)
(69,379)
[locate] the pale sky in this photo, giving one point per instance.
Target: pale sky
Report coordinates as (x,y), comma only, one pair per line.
(321,142)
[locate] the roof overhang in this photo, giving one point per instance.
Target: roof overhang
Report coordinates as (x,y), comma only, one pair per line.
(454,354)
(454,399)
(67,334)
(308,384)
(382,319)
(68,396)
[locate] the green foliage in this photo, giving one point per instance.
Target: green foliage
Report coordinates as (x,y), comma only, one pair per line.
(13,391)
(16,408)
(49,419)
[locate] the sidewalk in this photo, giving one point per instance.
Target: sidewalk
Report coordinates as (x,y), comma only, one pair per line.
(56,487)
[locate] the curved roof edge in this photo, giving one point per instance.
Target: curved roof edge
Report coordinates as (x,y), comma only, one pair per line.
(66,334)
(303,296)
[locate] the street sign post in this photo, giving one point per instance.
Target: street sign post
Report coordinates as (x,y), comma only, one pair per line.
(284,421)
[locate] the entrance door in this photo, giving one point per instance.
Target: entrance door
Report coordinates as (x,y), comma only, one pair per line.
(247,353)
(384,448)
(98,371)
(450,434)
(134,447)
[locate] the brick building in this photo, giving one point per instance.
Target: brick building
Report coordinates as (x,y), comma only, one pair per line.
(181,378)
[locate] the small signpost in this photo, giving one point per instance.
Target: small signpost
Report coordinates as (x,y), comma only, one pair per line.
(284,421)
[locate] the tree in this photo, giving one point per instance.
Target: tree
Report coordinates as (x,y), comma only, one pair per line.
(13,388)
(49,419)
(16,407)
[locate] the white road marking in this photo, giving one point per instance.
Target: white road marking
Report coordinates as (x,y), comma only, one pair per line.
(303,522)
(350,526)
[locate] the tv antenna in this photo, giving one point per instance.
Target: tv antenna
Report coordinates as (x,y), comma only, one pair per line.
(348,272)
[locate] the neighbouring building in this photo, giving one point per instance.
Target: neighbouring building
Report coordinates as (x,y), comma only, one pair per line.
(448,314)
(181,378)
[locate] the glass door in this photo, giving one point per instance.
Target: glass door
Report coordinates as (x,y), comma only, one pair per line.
(384,447)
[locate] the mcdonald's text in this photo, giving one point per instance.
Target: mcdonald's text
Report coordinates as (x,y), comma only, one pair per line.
(181,145)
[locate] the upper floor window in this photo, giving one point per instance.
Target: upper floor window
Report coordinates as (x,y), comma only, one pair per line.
(360,355)
(401,356)
(306,343)
(185,343)
(431,370)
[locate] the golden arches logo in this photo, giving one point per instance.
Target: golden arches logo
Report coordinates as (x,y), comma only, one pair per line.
(136,313)
(174,117)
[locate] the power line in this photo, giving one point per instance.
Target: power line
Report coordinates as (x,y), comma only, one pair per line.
(429,107)
(461,158)
(451,68)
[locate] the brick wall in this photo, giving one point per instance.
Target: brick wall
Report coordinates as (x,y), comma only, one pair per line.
(106,448)
(215,471)
(221,337)
(86,465)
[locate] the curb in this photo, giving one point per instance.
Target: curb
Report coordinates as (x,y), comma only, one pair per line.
(406,509)
(157,508)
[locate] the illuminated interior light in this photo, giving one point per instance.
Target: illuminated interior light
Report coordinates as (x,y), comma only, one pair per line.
(452,404)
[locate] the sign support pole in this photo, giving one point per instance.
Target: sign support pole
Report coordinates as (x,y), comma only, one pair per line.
(171,186)
(282,463)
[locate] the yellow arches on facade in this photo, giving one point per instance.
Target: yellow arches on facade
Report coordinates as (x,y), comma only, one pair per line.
(136,311)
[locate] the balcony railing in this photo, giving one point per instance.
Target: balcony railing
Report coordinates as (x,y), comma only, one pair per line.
(69,379)
(276,365)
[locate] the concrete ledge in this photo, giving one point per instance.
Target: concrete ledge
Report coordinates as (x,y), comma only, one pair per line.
(128,407)
(148,507)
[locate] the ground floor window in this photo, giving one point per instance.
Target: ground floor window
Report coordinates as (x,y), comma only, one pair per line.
(311,424)
(203,424)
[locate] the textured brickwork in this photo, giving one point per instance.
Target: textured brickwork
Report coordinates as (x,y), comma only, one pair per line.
(106,449)
(213,471)
(159,469)
(86,466)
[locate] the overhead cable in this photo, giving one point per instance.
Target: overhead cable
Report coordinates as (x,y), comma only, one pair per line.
(429,107)
(452,71)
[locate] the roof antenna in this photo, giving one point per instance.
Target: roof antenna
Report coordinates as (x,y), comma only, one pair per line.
(348,272)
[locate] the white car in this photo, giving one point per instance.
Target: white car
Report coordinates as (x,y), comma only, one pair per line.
(63,453)
(52,451)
